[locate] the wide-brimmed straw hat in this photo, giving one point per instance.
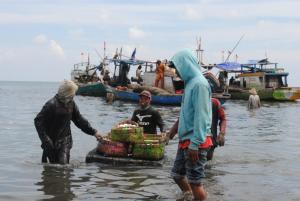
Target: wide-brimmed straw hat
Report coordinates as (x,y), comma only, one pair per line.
(253,91)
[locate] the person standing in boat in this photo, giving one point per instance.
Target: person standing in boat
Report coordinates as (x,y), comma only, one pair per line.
(146,116)
(160,73)
(194,126)
(53,124)
(254,100)
(138,74)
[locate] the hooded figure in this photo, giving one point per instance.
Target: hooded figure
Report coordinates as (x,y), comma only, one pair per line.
(53,124)
(194,126)
(196,110)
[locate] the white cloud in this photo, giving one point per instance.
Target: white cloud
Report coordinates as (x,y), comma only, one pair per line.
(77,34)
(192,13)
(6,55)
(40,39)
(135,32)
(56,49)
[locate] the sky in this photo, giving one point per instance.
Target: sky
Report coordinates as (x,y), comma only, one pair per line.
(42,40)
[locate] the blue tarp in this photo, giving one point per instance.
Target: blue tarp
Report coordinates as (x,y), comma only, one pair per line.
(228,66)
(127,61)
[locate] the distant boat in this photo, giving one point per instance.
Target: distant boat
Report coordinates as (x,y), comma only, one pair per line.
(85,76)
(96,89)
(266,77)
(172,99)
(170,94)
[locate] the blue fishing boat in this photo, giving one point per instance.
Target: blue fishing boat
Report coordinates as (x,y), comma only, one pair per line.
(172,99)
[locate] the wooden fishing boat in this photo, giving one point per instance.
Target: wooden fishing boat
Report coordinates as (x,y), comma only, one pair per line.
(169,94)
(266,77)
(97,89)
(171,99)
(85,76)
(129,95)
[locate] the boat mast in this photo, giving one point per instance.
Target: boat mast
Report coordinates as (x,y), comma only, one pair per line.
(230,52)
(199,51)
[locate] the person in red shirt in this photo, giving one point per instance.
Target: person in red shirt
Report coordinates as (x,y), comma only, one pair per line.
(218,118)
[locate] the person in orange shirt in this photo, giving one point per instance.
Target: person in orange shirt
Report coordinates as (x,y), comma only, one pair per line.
(160,71)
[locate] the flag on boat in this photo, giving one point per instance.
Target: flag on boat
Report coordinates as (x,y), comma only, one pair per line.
(133,54)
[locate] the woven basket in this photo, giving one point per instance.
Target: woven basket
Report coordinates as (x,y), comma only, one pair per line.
(151,151)
(132,135)
(152,138)
(112,148)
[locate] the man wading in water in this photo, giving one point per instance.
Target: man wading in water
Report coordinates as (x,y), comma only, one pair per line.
(194,126)
(53,124)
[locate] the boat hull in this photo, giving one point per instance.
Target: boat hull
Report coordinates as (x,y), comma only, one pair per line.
(97,89)
(156,99)
(281,94)
(162,99)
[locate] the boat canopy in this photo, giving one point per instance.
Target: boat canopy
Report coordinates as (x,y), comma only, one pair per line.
(228,66)
(128,61)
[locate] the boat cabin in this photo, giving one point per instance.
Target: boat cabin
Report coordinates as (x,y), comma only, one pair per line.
(262,74)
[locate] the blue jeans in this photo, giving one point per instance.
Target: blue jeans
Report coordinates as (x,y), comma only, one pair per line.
(183,167)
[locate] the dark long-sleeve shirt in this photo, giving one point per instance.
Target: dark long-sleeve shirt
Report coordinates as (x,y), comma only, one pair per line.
(54,121)
(149,119)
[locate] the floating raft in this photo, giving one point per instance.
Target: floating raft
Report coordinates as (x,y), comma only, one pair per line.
(94,156)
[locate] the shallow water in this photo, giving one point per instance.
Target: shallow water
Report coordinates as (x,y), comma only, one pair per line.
(260,160)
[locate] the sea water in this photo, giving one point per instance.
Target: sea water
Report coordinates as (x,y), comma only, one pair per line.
(260,159)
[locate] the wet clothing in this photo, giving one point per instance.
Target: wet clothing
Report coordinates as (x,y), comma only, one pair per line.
(195,114)
(53,126)
(184,168)
(218,118)
(149,119)
(253,102)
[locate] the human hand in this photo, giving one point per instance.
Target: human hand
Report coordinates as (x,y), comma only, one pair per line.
(221,139)
(193,155)
(98,136)
(171,134)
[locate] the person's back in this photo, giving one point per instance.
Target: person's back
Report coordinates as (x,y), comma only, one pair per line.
(160,69)
(254,100)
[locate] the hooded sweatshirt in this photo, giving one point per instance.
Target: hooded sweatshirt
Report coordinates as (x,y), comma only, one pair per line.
(196,110)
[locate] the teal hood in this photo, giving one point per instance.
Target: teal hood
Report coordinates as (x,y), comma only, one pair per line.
(196,113)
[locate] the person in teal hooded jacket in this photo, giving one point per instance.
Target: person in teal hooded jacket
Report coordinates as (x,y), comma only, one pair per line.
(194,125)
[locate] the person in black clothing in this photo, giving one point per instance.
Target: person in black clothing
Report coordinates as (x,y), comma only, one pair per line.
(53,124)
(146,116)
